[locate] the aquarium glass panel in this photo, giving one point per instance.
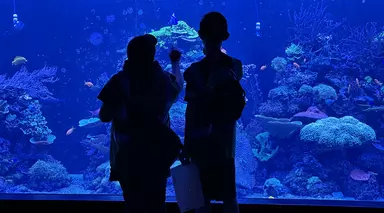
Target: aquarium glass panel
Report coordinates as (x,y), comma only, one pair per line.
(313,74)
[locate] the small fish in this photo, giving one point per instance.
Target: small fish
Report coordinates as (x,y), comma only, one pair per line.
(357,82)
(18,60)
(263,67)
(25,97)
(296,65)
(364,105)
(88,84)
(378,82)
(70,131)
(223,50)
(42,143)
(349,88)
(95,112)
(173,20)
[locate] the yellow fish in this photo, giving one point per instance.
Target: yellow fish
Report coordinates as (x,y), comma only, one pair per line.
(18,60)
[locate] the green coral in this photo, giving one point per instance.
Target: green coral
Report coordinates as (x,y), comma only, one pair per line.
(294,52)
(305,90)
(324,92)
(180,31)
(337,133)
(279,64)
(265,150)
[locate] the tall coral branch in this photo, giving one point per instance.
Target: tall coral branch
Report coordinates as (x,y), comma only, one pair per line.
(33,83)
(310,23)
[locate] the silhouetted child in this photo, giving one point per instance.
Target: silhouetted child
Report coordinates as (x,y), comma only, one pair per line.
(215,100)
(143,147)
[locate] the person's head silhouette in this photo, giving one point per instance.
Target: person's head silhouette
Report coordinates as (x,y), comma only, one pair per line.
(213,31)
(142,49)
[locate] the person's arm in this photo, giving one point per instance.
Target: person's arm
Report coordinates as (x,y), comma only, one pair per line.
(177,73)
(107,113)
(108,95)
(238,66)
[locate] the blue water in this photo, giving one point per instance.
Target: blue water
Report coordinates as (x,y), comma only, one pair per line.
(319,99)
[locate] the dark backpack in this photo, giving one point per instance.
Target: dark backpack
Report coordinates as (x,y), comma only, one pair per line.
(226,99)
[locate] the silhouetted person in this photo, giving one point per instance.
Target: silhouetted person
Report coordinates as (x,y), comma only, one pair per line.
(143,146)
(215,100)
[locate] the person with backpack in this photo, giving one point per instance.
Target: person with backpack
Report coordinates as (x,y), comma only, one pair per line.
(215,101)
(143,146)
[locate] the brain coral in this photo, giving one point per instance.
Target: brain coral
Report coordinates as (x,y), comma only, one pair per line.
(48,176)
(324,92)
(336,133)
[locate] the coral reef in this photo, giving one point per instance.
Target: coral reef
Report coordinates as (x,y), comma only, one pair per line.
(34,123)
(48,176)
(316,133)
(333,133)
(32,83)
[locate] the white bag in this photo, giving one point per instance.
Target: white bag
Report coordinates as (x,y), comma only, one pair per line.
(186,181)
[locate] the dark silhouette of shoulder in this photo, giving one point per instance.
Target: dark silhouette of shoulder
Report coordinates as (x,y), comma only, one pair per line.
(236,64)
(238,67)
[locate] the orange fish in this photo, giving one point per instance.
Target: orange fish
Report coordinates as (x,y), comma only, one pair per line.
(263,67)
(378,82)
(88,84)
(296,65)
(70,131)
(357,82)
(223,50)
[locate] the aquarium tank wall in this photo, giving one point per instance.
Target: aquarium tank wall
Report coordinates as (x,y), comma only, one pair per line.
(313,126)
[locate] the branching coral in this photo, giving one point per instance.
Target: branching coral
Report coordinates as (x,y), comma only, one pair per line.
(311,23)
(357,51)
(177,117)
(250,83)
(33,122)
(334,43)
(33,83)
(97,148)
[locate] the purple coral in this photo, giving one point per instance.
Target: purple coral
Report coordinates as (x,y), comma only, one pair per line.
(335,43)
(33,83)
(356,50)
(311,23)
